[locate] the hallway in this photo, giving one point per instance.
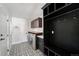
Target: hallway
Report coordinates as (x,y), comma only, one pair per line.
(15,24)
(24,49)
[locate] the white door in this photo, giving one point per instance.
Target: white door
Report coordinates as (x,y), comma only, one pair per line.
(4,31)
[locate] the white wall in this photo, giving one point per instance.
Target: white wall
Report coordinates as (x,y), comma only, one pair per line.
(37,13)
(24,25)
(18,30)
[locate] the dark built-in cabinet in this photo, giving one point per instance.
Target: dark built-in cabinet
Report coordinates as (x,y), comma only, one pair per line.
(37,23)
(40,44)
(61,29)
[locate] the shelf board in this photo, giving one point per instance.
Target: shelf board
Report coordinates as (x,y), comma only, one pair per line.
(56,10)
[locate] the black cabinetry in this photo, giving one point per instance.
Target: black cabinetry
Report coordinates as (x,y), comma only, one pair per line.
(61,32)
(59,5)
(40,44)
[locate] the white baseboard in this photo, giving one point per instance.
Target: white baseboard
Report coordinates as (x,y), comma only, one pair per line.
(18,42)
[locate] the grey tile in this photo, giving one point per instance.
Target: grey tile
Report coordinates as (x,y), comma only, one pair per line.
(24,49)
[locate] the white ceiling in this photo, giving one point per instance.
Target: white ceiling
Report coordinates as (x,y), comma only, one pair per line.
(22,10)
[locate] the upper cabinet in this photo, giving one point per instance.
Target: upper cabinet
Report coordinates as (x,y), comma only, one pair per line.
(37,23)
(53,7)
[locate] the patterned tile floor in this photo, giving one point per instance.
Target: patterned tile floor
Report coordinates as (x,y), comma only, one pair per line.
(24,49)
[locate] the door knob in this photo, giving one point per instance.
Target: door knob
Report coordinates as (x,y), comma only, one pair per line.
(2,38)
(1,35)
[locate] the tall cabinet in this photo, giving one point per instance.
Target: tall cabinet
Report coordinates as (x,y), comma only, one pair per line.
(53,14)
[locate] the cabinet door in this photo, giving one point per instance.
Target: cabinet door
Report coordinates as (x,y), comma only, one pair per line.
(37,42)
(37,23)
(40,22)
(41,44)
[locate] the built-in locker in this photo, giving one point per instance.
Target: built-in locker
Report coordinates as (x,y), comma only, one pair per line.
(61,29)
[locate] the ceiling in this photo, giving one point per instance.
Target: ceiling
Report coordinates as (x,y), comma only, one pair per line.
(22,10)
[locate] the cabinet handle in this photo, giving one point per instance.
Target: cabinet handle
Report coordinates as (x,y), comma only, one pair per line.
(52,32)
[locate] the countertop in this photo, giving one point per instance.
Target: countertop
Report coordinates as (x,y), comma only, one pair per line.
(35,32)
(40,36)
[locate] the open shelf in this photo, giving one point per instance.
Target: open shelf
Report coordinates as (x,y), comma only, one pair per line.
(59,5)
(51,8)
(45,11)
